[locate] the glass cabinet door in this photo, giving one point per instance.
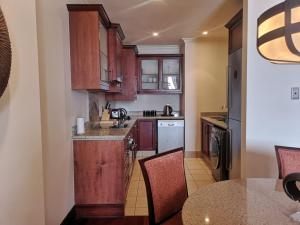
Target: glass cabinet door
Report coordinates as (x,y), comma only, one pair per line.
(103,52)
(149,74)
(171,74)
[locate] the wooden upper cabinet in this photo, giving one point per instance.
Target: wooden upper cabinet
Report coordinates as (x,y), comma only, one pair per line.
(160,74)
(147,135)
(115,46)
(129,84)
(235,27)
(88,47)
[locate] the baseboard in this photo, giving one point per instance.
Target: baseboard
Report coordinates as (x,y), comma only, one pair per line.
(70,218)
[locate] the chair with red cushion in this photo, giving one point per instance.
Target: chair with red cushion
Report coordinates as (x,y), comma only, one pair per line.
(288,159)
(166,186)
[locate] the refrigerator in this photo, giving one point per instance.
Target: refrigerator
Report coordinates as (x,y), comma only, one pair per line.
(233,156)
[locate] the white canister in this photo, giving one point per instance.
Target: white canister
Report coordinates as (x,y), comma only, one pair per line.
(80,125)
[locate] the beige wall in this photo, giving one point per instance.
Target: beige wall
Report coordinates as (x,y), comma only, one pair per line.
(21,172)
(59,105)
(205,84)
(272,117)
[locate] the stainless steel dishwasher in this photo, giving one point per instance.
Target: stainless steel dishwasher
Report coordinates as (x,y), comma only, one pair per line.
(170,135)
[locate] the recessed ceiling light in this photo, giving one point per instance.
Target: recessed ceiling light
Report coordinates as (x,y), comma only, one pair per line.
(155,34)
(205,32)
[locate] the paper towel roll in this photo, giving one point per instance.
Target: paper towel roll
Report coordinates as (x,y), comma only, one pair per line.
(80,125)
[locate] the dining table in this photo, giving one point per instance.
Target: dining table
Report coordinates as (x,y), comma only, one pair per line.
(253,201)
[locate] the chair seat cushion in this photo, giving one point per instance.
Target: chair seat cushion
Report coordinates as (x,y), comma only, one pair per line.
(174,220)
(290,161)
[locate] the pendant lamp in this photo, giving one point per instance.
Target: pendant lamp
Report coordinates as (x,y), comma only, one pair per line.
(278,33)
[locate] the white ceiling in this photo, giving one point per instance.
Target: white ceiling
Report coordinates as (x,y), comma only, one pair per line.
(173,19)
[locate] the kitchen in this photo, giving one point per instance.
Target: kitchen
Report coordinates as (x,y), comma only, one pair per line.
(138,110)
(39,108)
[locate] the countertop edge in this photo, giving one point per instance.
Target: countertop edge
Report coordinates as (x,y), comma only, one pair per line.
(215,122)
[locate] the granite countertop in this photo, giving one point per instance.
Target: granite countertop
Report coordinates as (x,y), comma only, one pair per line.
(158,117)
(214,121)
(110,134)
(245,202)
(116,134)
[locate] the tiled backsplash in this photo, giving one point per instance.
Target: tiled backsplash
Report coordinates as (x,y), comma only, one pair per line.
(149,102)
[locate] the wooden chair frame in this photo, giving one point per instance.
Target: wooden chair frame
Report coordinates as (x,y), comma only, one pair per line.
(148,186)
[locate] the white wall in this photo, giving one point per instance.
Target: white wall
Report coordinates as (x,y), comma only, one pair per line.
(21,172)
(150,102)
(59,106)
(272,117)
(205,84)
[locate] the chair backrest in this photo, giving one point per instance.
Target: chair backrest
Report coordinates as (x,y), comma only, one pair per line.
(165,184)
(288,160)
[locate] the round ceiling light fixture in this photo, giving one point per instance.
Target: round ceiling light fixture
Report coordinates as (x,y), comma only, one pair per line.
(155,34)
(278,33)
(205,33)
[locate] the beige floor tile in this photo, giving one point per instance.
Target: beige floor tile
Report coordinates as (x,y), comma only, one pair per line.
(142,184)
(135,177)
(143,211)
(134,183)
(200,171)
(203,183)
(141,202)
(129,211)
(142,193)
(192,159)
(188,177)
(191,184)
(132,193)
(130,202)
(136,173)
(197,177)
(197,166)
(191,190)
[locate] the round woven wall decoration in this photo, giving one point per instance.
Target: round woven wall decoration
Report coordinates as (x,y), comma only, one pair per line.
(5,54)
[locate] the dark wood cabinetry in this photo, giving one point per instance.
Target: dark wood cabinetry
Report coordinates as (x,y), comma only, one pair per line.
(115,37)
(102,170)
(147,135)
(235,27)
(205,137)
(88,24)
(160,74)
(129,84)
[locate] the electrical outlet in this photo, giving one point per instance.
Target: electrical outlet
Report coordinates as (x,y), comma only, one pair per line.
(295,93)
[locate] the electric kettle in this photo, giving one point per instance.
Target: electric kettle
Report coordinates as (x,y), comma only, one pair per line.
(167,110)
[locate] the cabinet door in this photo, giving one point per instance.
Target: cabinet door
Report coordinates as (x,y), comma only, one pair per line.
(98,172)
(171,74)
(149,74)
(84,50)
(129,84)
(104,53)
(147,135)
(114,60)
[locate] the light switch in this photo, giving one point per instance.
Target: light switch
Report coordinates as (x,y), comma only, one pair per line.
(295,93)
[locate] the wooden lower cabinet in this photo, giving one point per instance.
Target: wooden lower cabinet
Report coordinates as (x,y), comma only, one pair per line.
(147,135)
(102,170)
